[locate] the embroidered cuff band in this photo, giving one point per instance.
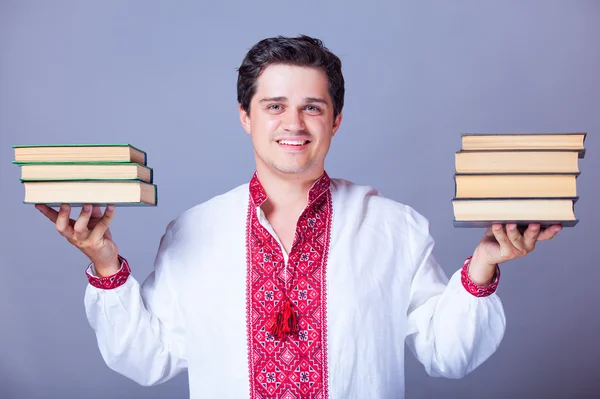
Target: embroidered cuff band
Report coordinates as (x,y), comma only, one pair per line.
(110,282)
(472,287)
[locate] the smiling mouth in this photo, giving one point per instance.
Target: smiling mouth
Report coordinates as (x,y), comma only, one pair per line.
(293,142)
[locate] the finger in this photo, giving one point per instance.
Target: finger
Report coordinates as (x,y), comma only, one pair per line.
(530,236)
(81,225)
(103,223)
(506,247)
(63,225)
(549,232)
(488,232)
(514,236)
(47,211)
(96,212)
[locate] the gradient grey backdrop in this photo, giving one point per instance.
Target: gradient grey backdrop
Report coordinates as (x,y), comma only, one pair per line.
(161,75)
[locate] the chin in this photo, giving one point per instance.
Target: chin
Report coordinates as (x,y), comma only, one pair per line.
(291,168)
(291,171)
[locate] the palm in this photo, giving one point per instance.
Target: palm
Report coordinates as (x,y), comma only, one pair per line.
(89,232)
(94,220)
(491,251)
(104,248)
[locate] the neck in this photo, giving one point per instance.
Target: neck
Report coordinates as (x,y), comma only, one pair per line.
(287,190)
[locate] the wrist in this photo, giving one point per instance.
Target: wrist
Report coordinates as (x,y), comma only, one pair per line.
(107,268)
(481,272)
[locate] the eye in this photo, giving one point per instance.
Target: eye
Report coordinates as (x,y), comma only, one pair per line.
(275,107)
(313,109)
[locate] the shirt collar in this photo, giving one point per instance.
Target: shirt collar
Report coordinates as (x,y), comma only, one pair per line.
(259,195)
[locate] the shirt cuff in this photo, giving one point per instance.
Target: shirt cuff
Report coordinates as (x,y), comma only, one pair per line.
(475,289)
(109,282)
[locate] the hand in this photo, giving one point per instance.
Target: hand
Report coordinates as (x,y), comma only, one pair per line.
(90,233)
(499,246)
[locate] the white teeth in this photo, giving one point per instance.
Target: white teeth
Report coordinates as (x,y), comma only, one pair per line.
(292,142)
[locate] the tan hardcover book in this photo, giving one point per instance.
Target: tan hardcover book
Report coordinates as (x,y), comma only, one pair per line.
(503,162)
(515,186)
(483,212)
(520,141)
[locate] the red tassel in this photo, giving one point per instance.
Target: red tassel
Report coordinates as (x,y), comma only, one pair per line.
(285,322)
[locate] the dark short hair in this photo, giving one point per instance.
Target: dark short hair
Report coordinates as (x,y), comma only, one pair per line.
(301,51)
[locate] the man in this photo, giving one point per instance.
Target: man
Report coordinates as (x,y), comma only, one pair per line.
(295,285)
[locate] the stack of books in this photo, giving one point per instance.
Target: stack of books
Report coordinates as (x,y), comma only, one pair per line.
(78,174)
(517,178)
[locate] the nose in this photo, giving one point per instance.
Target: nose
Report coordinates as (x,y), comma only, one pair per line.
(293,121)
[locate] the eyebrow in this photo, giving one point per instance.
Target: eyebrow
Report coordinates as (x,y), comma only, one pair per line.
(307,100)
(315,100)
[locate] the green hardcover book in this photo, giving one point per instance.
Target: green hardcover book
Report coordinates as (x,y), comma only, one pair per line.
(100,192)
(78,153)
(61,171)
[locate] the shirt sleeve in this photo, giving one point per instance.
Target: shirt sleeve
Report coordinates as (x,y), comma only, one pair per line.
(140,329)
(453,324)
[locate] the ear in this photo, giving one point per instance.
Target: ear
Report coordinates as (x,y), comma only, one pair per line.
(245,119)
(336,123)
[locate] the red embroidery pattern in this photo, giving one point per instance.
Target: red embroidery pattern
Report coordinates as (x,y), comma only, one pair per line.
(475,289)
(294,367)
(110,282)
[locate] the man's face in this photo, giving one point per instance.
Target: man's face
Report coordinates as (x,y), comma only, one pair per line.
(291,119)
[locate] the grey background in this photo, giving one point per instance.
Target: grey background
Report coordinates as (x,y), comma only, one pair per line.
(161,75)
